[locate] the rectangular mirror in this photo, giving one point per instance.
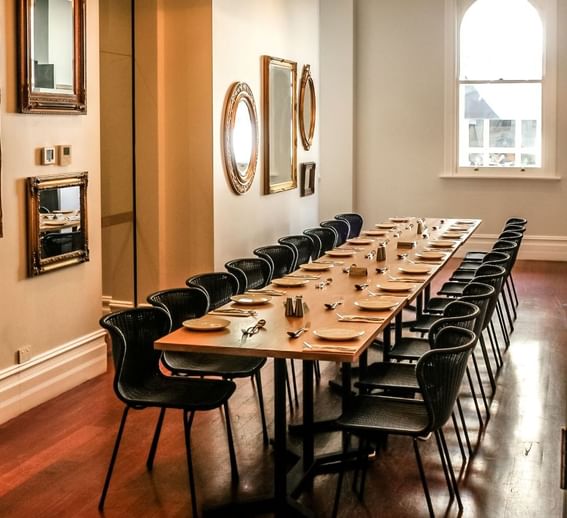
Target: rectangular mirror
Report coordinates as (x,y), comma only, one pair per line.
(52,56)
(57,222)
(279,80)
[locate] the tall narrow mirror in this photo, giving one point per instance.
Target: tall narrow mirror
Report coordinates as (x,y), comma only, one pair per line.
(307,108)
(52,56)
(279,83)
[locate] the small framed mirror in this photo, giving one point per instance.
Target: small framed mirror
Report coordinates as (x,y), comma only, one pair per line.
(52,56)
(240,137)
(307,108)
(279,87)
(57,222)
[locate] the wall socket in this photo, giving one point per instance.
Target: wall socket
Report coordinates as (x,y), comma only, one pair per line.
(24,353)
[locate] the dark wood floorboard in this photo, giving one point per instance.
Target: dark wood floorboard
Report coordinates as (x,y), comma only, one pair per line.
(53,458)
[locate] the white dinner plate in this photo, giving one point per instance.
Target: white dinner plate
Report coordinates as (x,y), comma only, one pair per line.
(338,333)
(360,241)
(386,225)
(290,282)
(206,323)
(399,220)
(378,303)
(430,256)
(316,267)
(452,235)
(340,253)
(251,299)
(396,286)
(465,222)
(442,244)
(375,232)
(416,269)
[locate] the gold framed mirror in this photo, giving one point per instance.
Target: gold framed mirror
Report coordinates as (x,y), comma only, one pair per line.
(52,56)
(279,101)
(240,137)
(57,222)
(307,108)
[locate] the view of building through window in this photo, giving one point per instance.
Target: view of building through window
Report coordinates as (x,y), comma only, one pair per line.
(500,85)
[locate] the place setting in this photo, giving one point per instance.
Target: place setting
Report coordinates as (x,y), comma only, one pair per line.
(251,299)
(206,323)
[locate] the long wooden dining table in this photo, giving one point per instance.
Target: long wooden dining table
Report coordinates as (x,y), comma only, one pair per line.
(406,251)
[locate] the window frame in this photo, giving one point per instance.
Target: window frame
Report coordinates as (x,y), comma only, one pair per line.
(454,13)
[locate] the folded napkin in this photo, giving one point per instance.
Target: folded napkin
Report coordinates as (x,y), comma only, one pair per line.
(329,347)
(268,291)
(359,318)
(307,277)
(233,312)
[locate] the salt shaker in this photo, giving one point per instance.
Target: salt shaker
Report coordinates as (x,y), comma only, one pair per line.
(289,311)
(381,252)
(419,226)
(298,306)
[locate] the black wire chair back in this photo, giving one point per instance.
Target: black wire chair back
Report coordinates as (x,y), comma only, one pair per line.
(440,372)
(251,272)
(304,247)
(341,226)
(456,314)
(480,295)
(181,304)
(327,237)
(495,278)
(355,222)
(282,258)
(517,221)
(219,286)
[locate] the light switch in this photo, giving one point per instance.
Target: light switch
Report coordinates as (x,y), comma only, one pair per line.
(47,155)
(64,155)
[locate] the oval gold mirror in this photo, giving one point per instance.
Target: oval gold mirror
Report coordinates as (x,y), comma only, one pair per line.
(307,108)
(240,137)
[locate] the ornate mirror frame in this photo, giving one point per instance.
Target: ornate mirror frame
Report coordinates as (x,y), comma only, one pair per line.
(31,101)
(239,93)
(272,139)
(307,88)
(37,229)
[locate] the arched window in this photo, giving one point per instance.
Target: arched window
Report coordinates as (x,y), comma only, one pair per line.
(501,75)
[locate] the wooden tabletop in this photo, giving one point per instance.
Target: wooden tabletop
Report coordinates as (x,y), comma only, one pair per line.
(273,340)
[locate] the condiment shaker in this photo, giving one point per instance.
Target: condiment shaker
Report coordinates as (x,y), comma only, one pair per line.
(289,311)
(298,306)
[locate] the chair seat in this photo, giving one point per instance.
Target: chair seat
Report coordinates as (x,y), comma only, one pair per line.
(423,324)
(409,348)
(463,275)
(438,304)
(377,414)
(475,257)
(171,392)
(469,266)
(389,375)
(452,289)
(203,364)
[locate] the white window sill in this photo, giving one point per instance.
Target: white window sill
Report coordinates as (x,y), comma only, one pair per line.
(483,176)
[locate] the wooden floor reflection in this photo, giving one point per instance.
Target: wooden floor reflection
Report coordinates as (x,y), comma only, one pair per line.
(53,458)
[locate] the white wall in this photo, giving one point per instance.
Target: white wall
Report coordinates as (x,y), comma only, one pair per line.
(399,131)
(59,307)
(242,32)
(336,107)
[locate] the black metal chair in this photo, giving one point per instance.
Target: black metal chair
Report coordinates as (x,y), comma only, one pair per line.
(341,226)
(139,384)
(439,373)
(281,257)
(305,247)
(467,273)
(57,243)
(327,237)
(355,222)
(219,287)
(187,303)
(251,272)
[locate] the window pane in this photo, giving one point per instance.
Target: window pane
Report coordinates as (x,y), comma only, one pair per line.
(476,133)
(501,39)
(529,133)
(498,123)
(502,133)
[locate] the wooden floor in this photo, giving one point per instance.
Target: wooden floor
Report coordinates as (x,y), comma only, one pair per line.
(53,458)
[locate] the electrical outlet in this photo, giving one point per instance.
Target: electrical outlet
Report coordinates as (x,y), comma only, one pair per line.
(24,353)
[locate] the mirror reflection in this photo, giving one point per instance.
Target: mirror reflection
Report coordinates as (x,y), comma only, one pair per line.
(243,138)
(60,221)
(307,108)
(52,46)
(280,140)
(306,111)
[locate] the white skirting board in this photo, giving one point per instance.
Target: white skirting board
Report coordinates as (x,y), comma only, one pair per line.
(533,248)
(49,374)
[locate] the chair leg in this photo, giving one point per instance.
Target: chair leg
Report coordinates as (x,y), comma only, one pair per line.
(317,370)
(444,465)
(464,423)
(475,398)
(495,346)
(153,448)
(487,363)
(450,466)
(459,440)
(288,387)
(511,298)
(231,451)
(187,422)
(502,324)
(294,380)
(507,310)
(258,378)
(340,478)
(480,384)
(513,284)
(113,459)
(422,477)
